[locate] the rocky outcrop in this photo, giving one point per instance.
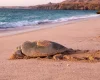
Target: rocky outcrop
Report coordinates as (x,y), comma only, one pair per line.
(71,5)
(98,12)
(46,6)
(79,6)
(65,5)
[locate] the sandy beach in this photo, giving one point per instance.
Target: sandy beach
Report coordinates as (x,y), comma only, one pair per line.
(83,35)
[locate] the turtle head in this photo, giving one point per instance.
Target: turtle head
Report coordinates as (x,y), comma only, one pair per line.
(17,55)
(13,56)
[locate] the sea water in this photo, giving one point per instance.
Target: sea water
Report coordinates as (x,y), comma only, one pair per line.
(15,18)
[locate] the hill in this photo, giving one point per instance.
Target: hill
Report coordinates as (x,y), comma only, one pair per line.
(65,5)
(71,5)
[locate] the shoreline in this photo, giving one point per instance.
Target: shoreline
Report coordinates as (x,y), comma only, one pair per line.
(26,29)
(69,32)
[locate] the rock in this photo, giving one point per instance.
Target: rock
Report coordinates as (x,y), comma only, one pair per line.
(71,5)
(98,12)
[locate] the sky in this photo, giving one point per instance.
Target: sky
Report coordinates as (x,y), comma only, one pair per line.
(25,2)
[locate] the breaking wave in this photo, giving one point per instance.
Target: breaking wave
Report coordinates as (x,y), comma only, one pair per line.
(4,25)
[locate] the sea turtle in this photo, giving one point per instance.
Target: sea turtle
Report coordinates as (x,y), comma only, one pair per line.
(38,49)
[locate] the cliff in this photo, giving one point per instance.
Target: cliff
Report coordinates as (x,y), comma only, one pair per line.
(80,4)
(71,5)
(65,5)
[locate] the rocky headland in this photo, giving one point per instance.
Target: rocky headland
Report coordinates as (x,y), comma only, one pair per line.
(71,5)
(65,5)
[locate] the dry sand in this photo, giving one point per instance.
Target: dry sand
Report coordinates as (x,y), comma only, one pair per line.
(84,34)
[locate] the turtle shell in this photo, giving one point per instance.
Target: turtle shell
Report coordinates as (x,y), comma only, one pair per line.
(41,48)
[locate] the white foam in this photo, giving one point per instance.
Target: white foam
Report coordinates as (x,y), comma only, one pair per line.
(45,21)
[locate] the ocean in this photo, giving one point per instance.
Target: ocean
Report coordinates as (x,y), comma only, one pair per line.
(16,18)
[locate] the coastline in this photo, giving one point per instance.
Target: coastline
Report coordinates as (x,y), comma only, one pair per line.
(82,34)
(21,30)
(55,29)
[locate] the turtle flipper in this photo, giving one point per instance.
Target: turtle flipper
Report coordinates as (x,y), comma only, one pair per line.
(58,57)
(26,57)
